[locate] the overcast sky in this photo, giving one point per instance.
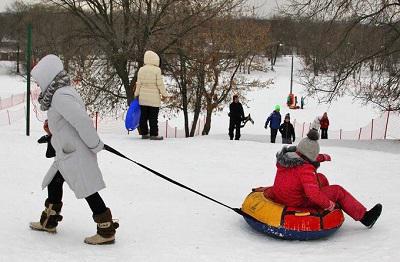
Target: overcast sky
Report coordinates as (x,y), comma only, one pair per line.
(267,7)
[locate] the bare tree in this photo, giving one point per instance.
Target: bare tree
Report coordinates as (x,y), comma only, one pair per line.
(225,49)
(361,42)
(124,29)
(205,66)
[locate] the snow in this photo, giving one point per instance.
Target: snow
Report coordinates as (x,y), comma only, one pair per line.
(162,222)
(10,84)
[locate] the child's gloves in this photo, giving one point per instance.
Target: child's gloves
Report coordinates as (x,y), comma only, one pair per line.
(323,158)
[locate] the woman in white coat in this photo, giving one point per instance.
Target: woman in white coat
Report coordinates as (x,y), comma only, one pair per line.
(76,143)
(150,88)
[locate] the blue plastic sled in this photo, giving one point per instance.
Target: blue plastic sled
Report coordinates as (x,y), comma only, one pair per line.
(133,116)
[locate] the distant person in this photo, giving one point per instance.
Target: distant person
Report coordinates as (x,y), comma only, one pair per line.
(302,102)
(324,123)
(295,101)
(76,144)
(287,131)
(236,115)
(150,87)
(274,121)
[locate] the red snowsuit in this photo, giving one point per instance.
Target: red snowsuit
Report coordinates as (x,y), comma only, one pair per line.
(301,186)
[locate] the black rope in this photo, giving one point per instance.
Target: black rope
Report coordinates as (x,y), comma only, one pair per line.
(112,150)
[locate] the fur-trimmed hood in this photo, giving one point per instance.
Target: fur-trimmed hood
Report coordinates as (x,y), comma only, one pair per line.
(288,157)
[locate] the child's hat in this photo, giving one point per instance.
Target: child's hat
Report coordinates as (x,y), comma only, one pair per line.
(309,146)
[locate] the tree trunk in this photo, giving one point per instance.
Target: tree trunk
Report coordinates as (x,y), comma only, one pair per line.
(207,125)
(18,54)
(185,107)
(249,65)
(184,90)
(198,99)
(194,123)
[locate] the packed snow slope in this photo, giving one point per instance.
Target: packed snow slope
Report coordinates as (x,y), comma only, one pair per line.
(10,84)
(162,222)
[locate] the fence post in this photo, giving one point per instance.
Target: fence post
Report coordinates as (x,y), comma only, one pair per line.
(387,122)
(302,132)
(166,129)
(12,100)
(175,131)
(372,127)
(359,134)
(340,134)
(97,119)
(9,120)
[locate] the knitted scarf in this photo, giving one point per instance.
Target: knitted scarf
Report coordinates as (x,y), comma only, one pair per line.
(45,97)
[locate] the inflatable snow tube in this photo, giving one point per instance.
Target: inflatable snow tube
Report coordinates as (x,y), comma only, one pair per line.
(289,223)
(133,116)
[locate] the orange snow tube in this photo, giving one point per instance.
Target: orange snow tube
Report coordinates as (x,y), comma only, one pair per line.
(290,223)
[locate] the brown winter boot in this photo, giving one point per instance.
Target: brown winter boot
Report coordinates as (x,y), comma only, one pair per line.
(105,229)
(49,219)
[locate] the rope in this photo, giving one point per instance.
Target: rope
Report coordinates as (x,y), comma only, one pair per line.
(112,150)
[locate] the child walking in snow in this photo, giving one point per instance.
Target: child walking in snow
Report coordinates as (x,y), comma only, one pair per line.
(287,130)
(297,184)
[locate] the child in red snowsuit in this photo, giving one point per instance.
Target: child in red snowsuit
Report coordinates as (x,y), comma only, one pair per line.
(297,184)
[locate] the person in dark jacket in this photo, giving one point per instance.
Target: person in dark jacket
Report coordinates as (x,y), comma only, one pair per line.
(274,121)
(324,122)
(236,115)
(287,131)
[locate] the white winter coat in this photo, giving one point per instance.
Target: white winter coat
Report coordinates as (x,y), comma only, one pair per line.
(74,138)
(150,83)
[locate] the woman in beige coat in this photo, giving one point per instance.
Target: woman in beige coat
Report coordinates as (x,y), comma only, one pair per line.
(150,88)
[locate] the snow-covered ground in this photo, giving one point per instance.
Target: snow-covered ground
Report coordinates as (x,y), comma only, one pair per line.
(10,84)
(161,222)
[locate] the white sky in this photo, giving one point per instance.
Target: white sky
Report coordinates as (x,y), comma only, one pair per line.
(267,7)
